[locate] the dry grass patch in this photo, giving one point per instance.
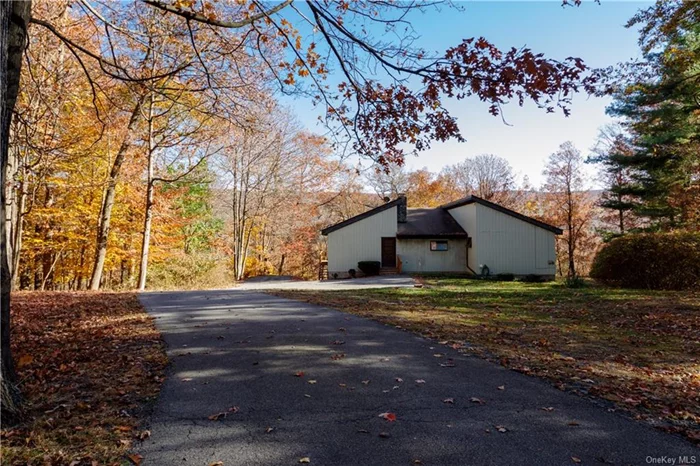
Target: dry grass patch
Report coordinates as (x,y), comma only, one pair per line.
(638,349)
(89,365)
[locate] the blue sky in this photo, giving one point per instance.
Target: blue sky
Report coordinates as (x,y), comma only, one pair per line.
(593,32)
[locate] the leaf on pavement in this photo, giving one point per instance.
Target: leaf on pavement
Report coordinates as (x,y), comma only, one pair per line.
(299,374)
(391,417)
(305,459)
(477,400)
(217,416)
(450,401)
(135,458)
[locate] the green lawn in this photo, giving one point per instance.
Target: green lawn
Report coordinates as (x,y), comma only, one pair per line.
(637,348)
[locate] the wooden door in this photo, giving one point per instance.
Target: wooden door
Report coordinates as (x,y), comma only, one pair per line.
(388,252)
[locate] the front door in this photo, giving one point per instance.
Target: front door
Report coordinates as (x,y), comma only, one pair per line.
(388,252)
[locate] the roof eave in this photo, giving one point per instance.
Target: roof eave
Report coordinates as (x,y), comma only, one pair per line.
(357,218)
(475,199)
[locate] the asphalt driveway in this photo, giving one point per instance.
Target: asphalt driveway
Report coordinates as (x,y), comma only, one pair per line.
(235,393)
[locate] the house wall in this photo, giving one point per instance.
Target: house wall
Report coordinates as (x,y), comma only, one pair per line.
(416,256)
(466,217)
(359,241)
(509,245)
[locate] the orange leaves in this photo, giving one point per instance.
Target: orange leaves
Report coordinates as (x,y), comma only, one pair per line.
(95,359)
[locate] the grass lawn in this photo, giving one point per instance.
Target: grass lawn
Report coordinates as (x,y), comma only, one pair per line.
(639,349)
(89,365)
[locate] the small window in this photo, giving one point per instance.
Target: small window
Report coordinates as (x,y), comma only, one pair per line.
(438,245)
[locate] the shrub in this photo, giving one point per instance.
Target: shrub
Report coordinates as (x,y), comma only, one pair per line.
(369,267)
(352,273)
(505,277)
(662,261)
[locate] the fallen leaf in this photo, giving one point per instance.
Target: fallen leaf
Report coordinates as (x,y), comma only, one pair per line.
(338,356)
(477,400)
(217,416)
(365,382)
(135,458)
(305,459)
(399,379)
(420,381)
(312,382)
(501,429)
(234,409)
(269,429)
(575,460)
(25,360)
(501,387)
(217,463)
(307,396)
(362,431)
(548,409)
(391,417)
(299,374)
(449,401)
(144,435)
(384,434)
(574,424)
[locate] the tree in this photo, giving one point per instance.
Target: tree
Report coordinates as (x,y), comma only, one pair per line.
(620,195)
(388,181)
(657,102)
(487,176)
(372,118)
(569,204)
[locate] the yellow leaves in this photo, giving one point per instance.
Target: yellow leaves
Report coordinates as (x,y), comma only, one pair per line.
(183,4)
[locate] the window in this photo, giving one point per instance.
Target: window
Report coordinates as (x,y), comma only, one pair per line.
(438,245)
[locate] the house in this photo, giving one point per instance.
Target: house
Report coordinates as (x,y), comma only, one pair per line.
(470,235)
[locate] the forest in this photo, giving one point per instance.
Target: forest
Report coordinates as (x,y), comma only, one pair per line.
(186,177)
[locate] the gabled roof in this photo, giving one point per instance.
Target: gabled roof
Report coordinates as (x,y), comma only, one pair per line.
(361,216)
(430,223)
(474,199)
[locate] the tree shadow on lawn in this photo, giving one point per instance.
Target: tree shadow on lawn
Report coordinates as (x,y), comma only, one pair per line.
(248,350)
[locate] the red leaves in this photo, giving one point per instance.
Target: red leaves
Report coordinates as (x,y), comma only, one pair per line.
(391,417)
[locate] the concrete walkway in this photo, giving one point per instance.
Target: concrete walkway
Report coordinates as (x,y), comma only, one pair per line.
(237,352)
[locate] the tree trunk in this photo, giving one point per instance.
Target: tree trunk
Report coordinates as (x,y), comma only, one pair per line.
(14,19)
(108,203)
(145,243)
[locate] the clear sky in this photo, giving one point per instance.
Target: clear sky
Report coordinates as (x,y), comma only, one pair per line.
(596,33)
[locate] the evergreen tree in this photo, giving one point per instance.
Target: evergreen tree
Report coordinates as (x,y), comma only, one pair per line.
(658,101)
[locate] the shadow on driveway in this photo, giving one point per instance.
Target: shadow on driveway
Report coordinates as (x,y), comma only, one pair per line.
(242,349)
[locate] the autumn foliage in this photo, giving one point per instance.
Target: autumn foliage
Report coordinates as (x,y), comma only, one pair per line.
(89,365)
